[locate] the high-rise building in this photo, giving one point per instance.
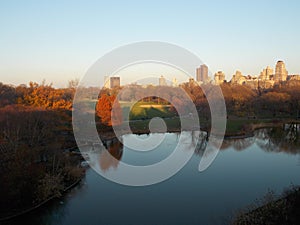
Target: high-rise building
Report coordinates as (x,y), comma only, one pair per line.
(175,82)
(114,82)
(106,82)
(202,73)
(266,73)
(219,77)
(238,78)
(280,72)
(162,81)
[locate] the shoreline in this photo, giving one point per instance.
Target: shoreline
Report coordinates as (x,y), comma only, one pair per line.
(245,132)
(281,210)
(26,211)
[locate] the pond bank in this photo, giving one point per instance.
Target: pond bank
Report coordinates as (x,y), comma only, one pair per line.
(7,218)
(283,211)
(244,130)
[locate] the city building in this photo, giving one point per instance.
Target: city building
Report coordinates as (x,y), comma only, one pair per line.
(280,72)
(162,81)
(219,77)
(266,74)
(294,77)
(202,73)
(238,78)
(106,82)
(114,82)
(175,82)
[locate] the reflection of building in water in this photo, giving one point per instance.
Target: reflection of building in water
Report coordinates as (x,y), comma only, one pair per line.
(111,155)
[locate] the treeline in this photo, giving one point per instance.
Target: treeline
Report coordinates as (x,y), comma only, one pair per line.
(37,95)
(282,100)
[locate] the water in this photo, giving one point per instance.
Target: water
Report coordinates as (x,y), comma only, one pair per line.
(244,170)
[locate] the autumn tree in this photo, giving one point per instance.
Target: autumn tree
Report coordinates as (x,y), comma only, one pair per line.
(109,111)
(7,95)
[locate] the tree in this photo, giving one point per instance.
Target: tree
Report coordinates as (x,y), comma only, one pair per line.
(109,111)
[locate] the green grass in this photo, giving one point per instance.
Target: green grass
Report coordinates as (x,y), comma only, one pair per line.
(172,124)
(238,125)
(138,112)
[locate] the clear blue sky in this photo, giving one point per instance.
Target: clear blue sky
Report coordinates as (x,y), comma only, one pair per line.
(59,40)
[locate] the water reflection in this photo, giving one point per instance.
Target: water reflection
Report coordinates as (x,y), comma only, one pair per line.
(283,138)
(113,147)
(202,143)
(234,180)
(280,139)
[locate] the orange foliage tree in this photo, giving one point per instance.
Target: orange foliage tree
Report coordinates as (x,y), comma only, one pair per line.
(109,110)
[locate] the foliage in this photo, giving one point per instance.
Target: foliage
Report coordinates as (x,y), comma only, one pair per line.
(33,166)
(109,111)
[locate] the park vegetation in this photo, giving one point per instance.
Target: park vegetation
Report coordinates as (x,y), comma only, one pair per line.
(36,127)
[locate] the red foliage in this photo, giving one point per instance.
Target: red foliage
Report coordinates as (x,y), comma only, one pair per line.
(109,110)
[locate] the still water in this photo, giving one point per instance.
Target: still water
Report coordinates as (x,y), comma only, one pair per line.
(244,170)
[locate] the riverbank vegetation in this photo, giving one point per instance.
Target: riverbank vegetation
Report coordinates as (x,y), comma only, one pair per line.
(272,209)
(35,128)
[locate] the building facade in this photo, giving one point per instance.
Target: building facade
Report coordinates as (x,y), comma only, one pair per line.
(266,74)
(202,73)
(114,82)
(238,78)
(162,81)
(280,72)
(219,77)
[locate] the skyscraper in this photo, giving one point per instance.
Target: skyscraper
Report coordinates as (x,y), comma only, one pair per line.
(219,77)
(266,73)
(202,73)
(175,82)
(162,81)
(114,82)
(106,82)
(280,72)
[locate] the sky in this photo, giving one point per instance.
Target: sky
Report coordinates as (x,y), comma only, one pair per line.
(59,40)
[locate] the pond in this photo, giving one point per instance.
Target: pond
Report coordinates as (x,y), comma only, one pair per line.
(244,170)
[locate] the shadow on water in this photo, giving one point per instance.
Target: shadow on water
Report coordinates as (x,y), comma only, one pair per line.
(53,212)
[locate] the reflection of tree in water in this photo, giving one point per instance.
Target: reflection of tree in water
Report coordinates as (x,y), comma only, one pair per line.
(280,139)
(111,155)
(202,142)
(238,144)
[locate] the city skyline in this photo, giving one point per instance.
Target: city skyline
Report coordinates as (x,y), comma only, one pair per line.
(60,41)
(268,75)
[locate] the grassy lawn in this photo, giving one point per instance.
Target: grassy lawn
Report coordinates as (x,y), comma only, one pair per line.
(146,110)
